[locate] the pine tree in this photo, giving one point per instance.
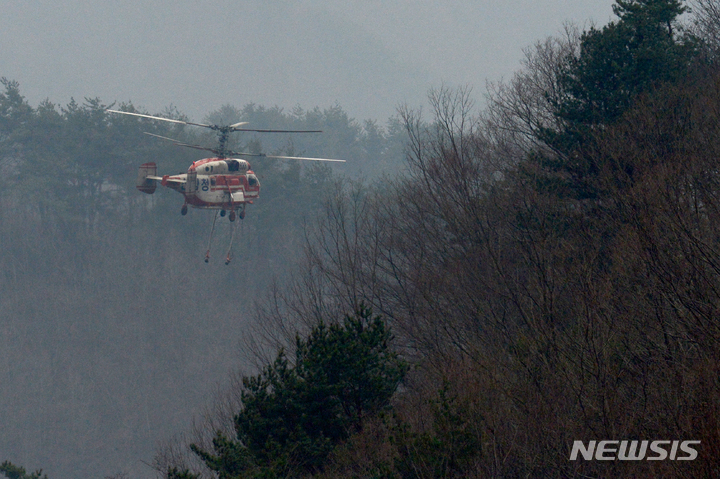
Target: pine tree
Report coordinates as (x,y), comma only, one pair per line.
(295,414)
(12,471)
(643,50)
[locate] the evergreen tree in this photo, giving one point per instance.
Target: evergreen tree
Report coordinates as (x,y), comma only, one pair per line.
(624,59)
(175,473)
(14,109)
(294,415)
(644,49)
(12,471)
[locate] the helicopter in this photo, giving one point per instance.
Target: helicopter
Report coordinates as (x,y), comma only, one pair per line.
(222,183)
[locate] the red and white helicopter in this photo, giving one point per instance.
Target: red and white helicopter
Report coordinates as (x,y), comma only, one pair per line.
(219,183)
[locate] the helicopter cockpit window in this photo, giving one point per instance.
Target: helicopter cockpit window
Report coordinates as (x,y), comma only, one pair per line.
(233,165)
(252,180)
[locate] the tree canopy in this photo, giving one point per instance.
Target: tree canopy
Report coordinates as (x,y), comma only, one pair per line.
(641,51)
(12,471)
(294,414)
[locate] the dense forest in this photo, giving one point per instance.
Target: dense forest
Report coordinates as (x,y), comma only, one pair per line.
(470,295)
(114,330)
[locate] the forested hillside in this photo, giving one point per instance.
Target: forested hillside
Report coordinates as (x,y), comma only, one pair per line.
(549,267)
(545,270)
(114,332)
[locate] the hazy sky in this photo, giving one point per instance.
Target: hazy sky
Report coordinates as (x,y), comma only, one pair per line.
(368,56)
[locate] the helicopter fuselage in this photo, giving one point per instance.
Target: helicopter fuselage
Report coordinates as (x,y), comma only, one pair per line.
(211,183)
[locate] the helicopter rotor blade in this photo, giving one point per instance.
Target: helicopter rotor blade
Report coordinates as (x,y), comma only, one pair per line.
(303,158)
(238,153)
(160,118)
(227,129)
(162,137)
(187,145)
(261,130)
(179,143)
(263,155)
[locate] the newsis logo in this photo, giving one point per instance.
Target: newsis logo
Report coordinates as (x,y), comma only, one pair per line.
(635,450)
